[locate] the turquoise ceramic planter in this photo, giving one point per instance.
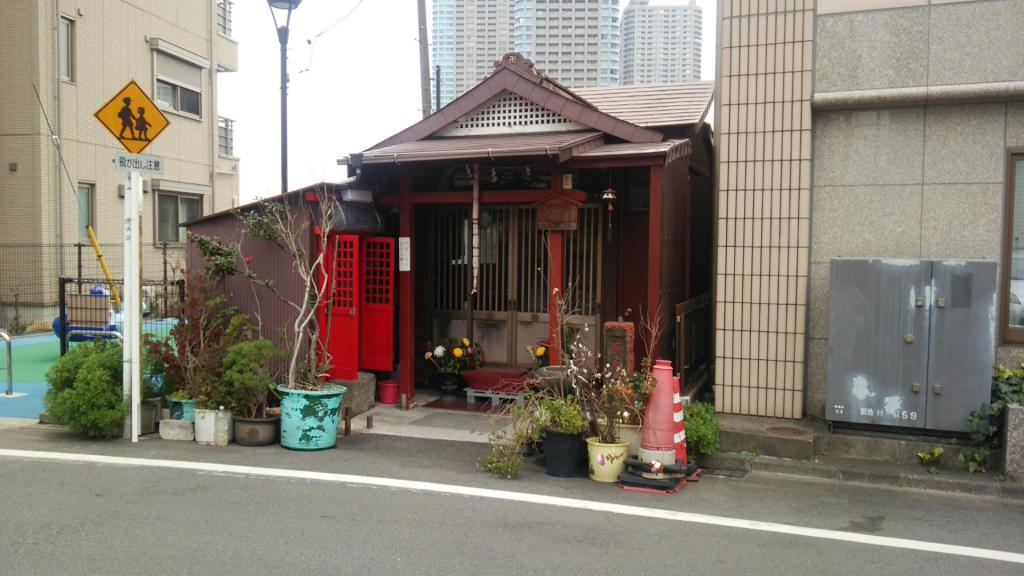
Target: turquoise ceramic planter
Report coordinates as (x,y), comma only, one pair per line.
(309,418)
(183,410)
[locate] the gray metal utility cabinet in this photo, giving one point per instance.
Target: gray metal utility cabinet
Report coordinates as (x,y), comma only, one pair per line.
(911,342)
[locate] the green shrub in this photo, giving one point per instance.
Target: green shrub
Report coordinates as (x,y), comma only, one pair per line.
(247,378)
(560,415)
(505,458)
(62,375)
(986,422)
(701,428)
(93,406)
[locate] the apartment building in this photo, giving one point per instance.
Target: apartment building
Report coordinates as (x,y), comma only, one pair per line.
(61,61)
(891,132)
(576,42)
(660,43)
(467,38)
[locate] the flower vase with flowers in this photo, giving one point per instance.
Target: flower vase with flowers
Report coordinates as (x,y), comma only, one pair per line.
(539,353)
(452,357)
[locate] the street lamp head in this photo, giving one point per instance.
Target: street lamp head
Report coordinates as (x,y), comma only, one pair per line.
(284,4)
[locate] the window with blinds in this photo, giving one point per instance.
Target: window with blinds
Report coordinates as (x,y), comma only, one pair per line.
(179,85)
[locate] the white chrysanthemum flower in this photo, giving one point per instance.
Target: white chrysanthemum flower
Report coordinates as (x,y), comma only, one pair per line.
(439,351)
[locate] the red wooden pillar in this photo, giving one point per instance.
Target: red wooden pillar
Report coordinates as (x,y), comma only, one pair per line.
(654,231)
(556,276)
(407,296)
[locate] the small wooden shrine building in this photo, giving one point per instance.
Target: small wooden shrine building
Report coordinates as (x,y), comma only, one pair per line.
(521,191)
(476,220)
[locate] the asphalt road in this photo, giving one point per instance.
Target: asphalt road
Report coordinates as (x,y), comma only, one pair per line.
(92,518)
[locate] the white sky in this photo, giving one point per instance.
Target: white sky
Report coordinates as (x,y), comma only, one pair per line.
(357,84)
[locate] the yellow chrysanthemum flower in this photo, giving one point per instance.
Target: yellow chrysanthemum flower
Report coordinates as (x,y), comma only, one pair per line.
(465,342)
(540,351)
(457,352)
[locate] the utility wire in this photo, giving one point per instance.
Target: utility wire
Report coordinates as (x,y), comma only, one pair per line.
(312,41)
(56,142)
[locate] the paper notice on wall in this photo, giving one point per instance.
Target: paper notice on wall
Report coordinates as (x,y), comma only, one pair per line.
(404,255)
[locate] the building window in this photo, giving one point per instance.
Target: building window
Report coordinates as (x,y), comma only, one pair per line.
(86,200)
(173,210)
(179,85)
(66,49)
(226,136)
(179,98)
(1013,251)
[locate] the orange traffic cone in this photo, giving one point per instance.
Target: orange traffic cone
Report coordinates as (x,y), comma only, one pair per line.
(656,439)
(678,422)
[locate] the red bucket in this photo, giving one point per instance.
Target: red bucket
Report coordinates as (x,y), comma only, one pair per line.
(387,391)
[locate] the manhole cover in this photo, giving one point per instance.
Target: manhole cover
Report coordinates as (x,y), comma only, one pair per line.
(787,431)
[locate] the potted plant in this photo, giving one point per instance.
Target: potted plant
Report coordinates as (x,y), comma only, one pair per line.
(214,394)
(562,421)
(154,377)
(183,407)
(610,402)
(452,357)
(637,389)
(194,344)
(247,372)
(298,226)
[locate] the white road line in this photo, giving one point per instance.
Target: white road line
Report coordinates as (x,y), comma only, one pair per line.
(639,511)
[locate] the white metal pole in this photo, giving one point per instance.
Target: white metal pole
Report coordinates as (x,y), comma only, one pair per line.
(132,370)
(136,306)
(126,296)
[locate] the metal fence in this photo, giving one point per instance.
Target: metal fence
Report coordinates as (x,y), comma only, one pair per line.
(158,308)
(30,277)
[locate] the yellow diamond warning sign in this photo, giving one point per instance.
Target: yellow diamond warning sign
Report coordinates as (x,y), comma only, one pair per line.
(132,118)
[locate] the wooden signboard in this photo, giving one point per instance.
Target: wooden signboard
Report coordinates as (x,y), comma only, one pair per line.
(618,345)
(557,214)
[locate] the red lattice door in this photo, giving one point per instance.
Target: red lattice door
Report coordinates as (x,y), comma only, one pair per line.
(339,317)
(377,328)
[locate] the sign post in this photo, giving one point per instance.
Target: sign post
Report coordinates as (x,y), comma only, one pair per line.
(125,116)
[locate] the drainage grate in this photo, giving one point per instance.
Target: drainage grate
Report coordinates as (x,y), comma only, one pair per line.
(723,473)
(787,431)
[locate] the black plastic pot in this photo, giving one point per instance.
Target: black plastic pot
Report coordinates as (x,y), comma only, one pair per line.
(256,431)
(450,385)
(562,453)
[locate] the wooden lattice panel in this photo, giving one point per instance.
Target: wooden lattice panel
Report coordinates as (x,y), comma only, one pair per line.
(345,282)
(507,114)
(377,277)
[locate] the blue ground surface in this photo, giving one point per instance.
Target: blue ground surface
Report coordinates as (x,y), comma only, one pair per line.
(33,356)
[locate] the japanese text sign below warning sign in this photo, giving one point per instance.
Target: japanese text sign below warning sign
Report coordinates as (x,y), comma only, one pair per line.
(132,118)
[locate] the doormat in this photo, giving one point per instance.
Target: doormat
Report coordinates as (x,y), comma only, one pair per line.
(459,404)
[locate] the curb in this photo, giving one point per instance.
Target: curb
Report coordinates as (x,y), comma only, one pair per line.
(892,478)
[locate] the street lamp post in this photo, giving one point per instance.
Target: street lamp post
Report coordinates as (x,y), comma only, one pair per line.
(282,37)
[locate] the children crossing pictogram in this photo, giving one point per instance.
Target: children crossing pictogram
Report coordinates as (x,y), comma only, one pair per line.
(132,118)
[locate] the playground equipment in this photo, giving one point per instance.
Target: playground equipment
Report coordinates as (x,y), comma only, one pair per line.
(103,265)
(88,316)
(7,368)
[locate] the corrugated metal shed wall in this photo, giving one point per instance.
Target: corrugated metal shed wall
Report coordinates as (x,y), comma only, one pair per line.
(267,262)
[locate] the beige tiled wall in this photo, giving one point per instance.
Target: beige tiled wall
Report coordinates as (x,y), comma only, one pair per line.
(763,213)
(112,45)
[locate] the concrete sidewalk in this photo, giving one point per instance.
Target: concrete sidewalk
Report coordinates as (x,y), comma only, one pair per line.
(428,423)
